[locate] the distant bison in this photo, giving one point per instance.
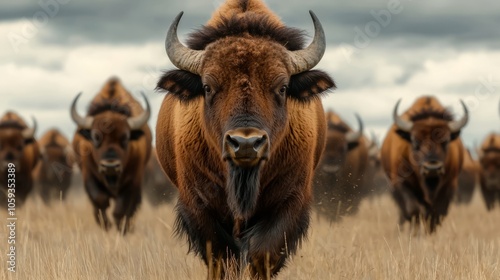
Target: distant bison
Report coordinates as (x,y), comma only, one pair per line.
(157,187)
(339,177)
(54,172)
(240,133)
(112,145)
(422,155)
(489,159)
(468,179)
(375,181)
(18,157)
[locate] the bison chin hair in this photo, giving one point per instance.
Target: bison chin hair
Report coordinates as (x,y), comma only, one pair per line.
(243,187)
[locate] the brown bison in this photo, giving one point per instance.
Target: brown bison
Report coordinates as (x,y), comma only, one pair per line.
(54,172)
(422,155)
(467,180)
(489,159)
(157,187)
(112,145)
(339,177)
(18,157)
(240,134)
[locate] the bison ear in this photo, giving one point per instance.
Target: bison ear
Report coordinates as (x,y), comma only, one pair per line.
(85,133)
(182,84)
(404,134)
(136,134)
(310,84)
(454,135)
(352,145)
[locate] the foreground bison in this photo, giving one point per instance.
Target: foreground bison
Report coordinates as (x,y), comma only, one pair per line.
(53,173)
(240,133)
(422,155)
(112,145)
(489,159)
(18,157)
(339,177)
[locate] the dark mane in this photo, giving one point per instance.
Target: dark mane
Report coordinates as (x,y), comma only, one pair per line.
(441,114)
(253,24)
(11,124)
(109,105)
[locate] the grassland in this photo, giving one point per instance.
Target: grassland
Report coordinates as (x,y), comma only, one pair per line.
(63,242)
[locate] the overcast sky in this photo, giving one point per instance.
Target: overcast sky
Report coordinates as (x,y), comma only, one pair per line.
(377,51)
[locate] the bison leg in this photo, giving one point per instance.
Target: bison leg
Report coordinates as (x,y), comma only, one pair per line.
(126,205)
(100,201)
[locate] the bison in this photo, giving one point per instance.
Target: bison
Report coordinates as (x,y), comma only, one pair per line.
(422,155)
(19,155)
(489,159)
(339,177)
(54,172)
(375,181)
(112,146)
(240,133)
(467,180)
(157,187)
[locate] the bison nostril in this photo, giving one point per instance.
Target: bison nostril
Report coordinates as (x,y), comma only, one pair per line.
(259,142)
(233,142)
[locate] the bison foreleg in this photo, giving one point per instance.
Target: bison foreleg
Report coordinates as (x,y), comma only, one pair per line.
(100,201)
(126,205)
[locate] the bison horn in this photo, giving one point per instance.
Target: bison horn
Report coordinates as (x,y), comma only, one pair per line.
(138,121)
(181,56)
(306,59)
(400,123)
(456,126)
(28,133)
(355,136)
(86,122)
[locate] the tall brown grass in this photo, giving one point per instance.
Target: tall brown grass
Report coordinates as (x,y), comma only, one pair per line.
(63,242)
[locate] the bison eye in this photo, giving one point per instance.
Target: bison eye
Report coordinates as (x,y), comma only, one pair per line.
(207,89)
(97,138)
(283,90)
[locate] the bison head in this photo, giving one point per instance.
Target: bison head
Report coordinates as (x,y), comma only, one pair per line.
(245,82)
(13,139)
(489,158)
(110,132)
(339,141)
(430,136)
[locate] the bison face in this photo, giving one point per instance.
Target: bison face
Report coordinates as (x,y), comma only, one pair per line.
(246,83)
(490,164)
(110,133)
(13,139)
(429,139)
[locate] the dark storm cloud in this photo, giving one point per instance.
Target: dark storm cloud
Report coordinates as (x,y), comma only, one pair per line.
(128,21)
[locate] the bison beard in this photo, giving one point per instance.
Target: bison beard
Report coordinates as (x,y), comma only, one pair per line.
(243,190)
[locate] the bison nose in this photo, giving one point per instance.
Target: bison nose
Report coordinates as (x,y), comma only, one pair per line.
(246,147)
(110,166)
(433,167)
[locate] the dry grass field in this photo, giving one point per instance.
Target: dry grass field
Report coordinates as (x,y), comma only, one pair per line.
(63,242)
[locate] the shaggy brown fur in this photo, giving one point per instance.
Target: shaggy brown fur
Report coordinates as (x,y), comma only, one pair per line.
(114,140)
(15,149)
(258,215)
(490,170)
(403,154)
(53,173)
(339,178)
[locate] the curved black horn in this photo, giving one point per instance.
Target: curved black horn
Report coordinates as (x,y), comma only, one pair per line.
(138,121)
(306,59)
(456,126)
(181,56)
(400,123)
(79,120)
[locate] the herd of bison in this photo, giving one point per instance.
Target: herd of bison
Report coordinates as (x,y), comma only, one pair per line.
(246,150)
